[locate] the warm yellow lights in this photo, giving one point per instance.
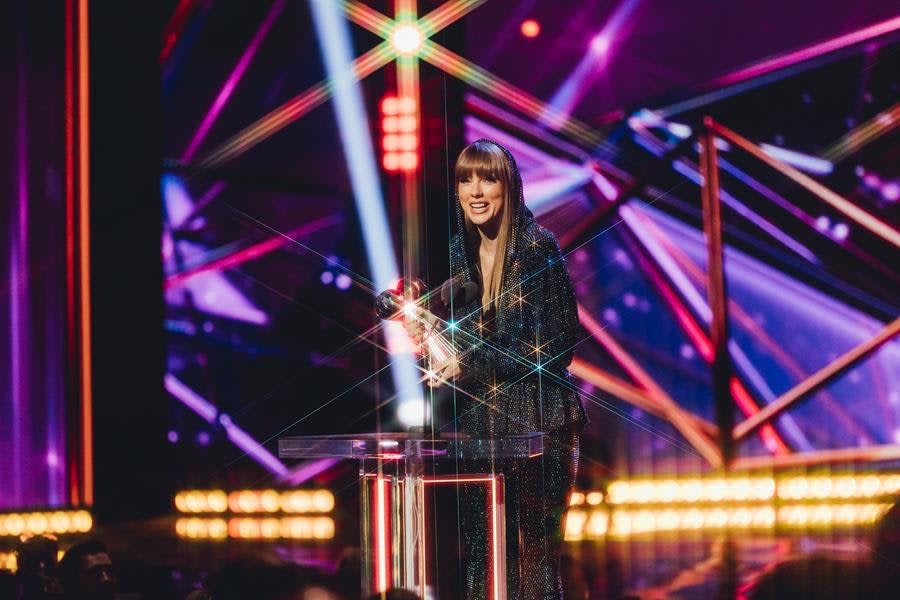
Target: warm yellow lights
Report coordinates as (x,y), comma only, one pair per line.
(743,489)
(691,490)
(254,501)
(58,522)
(256,528)
(620,523)
(838,487)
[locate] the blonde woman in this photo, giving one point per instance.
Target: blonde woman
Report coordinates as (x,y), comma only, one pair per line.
(511,377)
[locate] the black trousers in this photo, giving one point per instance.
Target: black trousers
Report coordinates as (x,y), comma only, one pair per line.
(537,493)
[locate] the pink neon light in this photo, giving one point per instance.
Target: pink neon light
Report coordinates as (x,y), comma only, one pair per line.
(381,571)
(809,52)
(232,81)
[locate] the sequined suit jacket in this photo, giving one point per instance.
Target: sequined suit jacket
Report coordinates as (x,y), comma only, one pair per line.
(514,359)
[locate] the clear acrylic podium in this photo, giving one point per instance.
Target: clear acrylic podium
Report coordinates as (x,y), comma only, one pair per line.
(395,470)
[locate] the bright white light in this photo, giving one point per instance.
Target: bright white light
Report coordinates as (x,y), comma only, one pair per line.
(406,39)
(680,130)
(409,309)
(840,231)
(411,412)
(343,281)
(600,44)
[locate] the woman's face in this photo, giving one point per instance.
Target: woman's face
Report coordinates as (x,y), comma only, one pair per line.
(481,199)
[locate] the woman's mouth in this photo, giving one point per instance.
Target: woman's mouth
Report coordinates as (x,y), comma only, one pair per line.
(478,208)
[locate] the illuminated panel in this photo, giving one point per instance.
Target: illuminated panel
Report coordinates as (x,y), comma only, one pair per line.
(36,523)
(494,483)
(254,501)
(623,523)
(255,528)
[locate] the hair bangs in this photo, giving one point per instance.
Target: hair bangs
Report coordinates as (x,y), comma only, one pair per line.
(484,160)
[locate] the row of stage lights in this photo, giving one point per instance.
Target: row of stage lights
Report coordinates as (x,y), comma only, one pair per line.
(600,523)
(744,489)
(254,501)
(253,528)
(269,502)
(37,523)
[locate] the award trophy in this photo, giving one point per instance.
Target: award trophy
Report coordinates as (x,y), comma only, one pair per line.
(408,302)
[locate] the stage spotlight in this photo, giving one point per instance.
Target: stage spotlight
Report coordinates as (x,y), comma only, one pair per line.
(327,277)
(406,39)
(891,192)
(600,44)
(530,28)
(343,281)
(840,231)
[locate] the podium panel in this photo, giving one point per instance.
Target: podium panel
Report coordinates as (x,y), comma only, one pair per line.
(398,474)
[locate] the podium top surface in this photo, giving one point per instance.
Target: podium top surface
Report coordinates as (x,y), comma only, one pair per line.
(402,446)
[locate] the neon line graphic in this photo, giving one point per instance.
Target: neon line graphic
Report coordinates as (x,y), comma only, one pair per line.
(481,79)
(295,108)
(19,317)
(696,275)
(209,413)
(446,14)
(572,90)
(478,104)
(368,18)
(231,82)
(242,440)
(847,208)
(189,398)
(205,200)
(309,469)
(72,465)
(817,380)
(780,67)
(84,239)
(174,27)
(863,135)
(884,452)
(685,422)
(810,164)
(684,317)
(233,259)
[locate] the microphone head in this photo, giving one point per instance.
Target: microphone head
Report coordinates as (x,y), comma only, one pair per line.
(470,292)
(388,304)
(457,291)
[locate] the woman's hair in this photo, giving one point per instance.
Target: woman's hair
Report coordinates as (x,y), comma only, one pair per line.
(486,159)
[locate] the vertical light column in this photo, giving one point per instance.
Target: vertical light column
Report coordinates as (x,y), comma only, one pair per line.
(84,256)
(334,41)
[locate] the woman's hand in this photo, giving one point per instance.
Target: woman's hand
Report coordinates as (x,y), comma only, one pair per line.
(415,330)
(444,373)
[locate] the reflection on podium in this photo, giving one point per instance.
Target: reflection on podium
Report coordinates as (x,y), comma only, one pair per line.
(400,516)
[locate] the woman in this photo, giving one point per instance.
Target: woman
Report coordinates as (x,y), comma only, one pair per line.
(515,346)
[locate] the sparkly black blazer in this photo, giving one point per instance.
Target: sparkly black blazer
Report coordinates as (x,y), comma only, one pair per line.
(514,359)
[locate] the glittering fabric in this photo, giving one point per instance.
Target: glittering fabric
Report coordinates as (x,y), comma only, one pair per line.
(514,359)
(514,380)
(536,496)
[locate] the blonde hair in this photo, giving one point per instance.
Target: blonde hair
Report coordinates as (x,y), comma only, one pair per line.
(486,159)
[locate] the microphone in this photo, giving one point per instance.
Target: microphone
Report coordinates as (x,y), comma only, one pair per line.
(455,292)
